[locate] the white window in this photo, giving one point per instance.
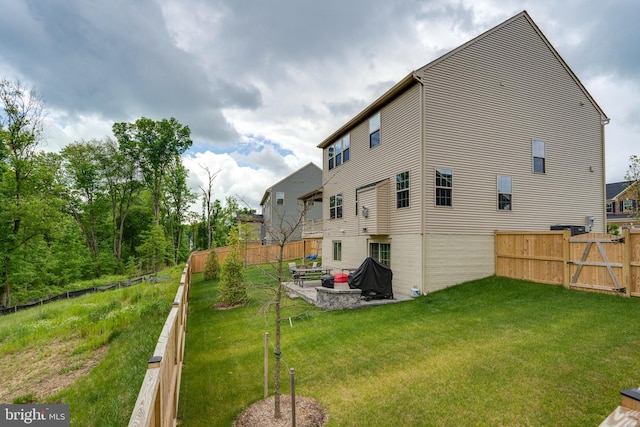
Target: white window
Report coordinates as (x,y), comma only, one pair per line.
(539,157)
(337,250)
(402,190)
(374,130)
(339,152)
(279,198)
(335,206)
(504,193)
(444,187)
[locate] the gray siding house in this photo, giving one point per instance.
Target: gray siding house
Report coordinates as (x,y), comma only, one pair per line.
(498,134)
(282,209)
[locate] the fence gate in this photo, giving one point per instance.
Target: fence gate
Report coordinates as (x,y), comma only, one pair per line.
(596,262)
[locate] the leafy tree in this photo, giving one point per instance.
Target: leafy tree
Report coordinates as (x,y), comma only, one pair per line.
(211,265)
(178,198)
(85,193)
(633,175)
(155,145)
(120,174)
(233,289)
(208,204)
(21,124)
(154,249)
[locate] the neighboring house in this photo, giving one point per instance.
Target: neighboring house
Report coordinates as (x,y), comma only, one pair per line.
(252,230)
(281,207)
(498,134)
(622,204)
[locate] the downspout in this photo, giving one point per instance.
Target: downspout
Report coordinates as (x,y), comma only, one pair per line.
(423,178)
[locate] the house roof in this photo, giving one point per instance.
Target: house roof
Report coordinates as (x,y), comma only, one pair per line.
(615,189)
(268,190)
(413,78)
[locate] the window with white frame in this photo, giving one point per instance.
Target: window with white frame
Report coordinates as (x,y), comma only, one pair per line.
(374,130)
(335,206)
(402,190)
(444,187)
(380,252)
(610,207)
(339,152)
(337,250)
(539,156)
(627,206)
(331,156)
(504,193)
(279,198)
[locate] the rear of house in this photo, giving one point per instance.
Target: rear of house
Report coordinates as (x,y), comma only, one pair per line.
(498,134)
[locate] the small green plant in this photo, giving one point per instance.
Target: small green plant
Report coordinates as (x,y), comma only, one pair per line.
(233,290)
(27,398)
(211,266)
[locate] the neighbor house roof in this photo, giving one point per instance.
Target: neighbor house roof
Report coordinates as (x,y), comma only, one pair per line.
(615,189)
(414,77)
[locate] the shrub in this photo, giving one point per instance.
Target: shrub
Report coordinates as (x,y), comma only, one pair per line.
(233,290)
(211,266)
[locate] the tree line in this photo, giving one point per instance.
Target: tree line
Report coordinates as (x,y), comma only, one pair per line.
(115,205)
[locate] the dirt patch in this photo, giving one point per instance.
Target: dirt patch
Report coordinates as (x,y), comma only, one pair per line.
(309,413)
(222,306)
(42,371)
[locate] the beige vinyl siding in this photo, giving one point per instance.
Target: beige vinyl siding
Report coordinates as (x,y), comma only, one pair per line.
(399,151)
(483,106)
(451,259)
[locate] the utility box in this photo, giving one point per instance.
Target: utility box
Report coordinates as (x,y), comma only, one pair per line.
(575,229)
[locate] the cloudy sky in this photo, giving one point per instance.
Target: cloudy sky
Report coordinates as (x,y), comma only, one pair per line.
(262,82)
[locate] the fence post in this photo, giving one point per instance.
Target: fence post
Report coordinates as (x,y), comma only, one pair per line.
(292,378)
(626,261)
(266,364)
(566,255)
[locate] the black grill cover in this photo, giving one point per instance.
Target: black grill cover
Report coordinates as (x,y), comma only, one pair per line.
(373,278)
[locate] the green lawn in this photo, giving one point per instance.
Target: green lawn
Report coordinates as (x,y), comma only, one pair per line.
(494,352)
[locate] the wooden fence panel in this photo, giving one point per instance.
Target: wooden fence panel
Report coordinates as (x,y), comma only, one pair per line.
(535,256)
(597,262)
(634,263)
(254,254)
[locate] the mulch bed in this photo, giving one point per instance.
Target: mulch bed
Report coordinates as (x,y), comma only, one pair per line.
(309,413)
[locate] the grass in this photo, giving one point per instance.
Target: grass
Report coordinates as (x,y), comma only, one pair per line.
(496,352)
(90,352)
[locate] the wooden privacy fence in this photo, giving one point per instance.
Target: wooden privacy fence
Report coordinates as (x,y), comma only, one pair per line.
(598,262)
(255,253)
(157,403)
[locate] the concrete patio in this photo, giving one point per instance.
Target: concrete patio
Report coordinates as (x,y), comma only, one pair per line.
(309,293)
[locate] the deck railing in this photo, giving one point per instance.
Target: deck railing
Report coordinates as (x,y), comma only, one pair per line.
(157,403)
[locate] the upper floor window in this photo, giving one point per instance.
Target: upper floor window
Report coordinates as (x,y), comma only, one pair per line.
(504,193)
(627,206)
(539,157)
(339,152)
(402,190)
(335,206)
(444,187)
(374,130)
(610,207)
(279,198)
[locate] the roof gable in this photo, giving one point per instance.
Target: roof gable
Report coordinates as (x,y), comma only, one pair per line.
(616,189)
(289,177)
(414,77)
